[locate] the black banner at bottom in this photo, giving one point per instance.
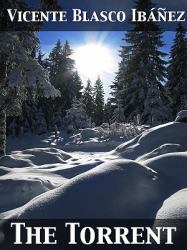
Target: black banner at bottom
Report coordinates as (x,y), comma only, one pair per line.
(92,234)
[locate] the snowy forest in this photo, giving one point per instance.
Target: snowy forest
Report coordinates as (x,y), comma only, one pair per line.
(150,92)
(63,145)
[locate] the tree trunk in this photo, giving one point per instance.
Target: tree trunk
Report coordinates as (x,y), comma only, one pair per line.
(2,133)
(3,74)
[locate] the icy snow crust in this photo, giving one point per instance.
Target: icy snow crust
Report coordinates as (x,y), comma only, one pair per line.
(142,178)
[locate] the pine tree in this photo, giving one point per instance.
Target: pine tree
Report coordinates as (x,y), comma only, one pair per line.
(98,102)
(109,111)
(41,60)
(55,109)
(32,118)
(19,73)
(76,117)
(155,111)
(141,67)
(63,75)
(118,84)
(118,115)
(55,60)
(36,112)
(88,99)
(68,87)
(177,71)
(65,78)
(78,85)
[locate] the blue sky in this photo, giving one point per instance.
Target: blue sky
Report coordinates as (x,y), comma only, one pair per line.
(112,40)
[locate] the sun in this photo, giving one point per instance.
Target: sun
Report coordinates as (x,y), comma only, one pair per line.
(93,59)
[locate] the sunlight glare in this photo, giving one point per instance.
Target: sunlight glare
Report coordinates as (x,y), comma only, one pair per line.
(93,59)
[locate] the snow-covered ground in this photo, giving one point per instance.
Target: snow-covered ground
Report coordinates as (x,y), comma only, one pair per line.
(87,176)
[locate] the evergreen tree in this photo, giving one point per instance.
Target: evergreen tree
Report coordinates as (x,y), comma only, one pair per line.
(48,105)
(32,119)
(52,110)
(55,61)
(177,71)
(118,84)
(41,60)
(98,102)
(76,117)
(155,112)
(69,86)
(37,113)
(108,111)
(88,99)
(142,67)
(78,85)
(55,110)
(40,57)
(19,72)
(118,115)
(63,75)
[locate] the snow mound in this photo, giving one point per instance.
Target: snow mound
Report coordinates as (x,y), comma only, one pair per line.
(175,207)
(170,133)
(40,156)
(173,213)
(15,161)
(35,156)
(112,190)
(16,192)
(89,133)
(172,170)
(76,170)
(166,148)
(103,138)
(182,116)
(49,183)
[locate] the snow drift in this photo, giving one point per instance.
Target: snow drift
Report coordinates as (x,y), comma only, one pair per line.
(175,207)
(107,191)
(16,192)
(136,180)
(170,133)
(171,169)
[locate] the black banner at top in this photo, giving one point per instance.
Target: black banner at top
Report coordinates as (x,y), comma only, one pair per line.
(91,15)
